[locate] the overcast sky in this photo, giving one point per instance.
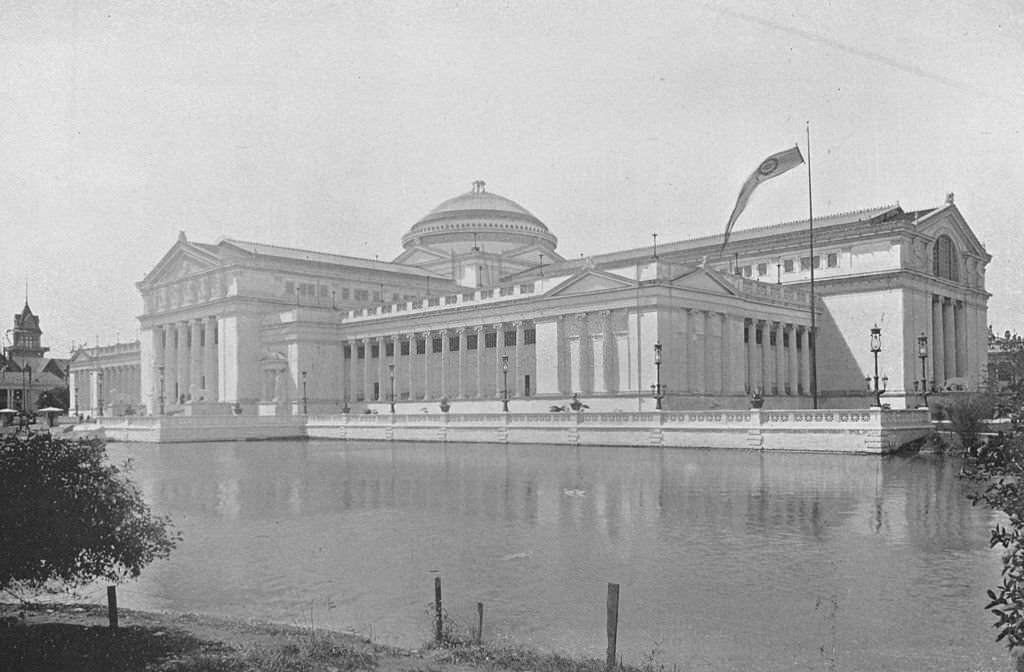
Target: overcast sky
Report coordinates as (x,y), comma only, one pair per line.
(337,125)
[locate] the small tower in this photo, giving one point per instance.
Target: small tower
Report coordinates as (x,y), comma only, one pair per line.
(26,336)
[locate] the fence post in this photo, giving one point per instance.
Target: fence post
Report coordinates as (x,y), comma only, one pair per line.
(439,626)
(112,606)
(613,624)
(479,622)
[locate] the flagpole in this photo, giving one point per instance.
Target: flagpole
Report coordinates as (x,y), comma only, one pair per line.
(813,340)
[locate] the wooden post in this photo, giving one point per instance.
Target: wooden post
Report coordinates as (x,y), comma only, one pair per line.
(613,624)
(439,626)
(479,622)
(112,606)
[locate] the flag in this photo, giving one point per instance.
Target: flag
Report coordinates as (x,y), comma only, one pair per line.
(774,165)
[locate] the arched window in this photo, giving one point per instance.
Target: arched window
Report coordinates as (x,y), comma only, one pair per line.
(944,261)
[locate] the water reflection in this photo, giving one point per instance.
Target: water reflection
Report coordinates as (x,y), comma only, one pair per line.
(784,552)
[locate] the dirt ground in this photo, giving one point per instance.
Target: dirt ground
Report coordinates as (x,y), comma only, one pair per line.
(77,637)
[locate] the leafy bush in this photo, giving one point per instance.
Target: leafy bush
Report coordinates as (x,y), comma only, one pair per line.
(68,516)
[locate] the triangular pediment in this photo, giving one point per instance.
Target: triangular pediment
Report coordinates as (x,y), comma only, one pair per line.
(183,260)
(420,255)
(590,281)
(706,280)
(949,221)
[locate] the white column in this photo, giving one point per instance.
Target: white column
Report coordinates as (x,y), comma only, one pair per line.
(805,361)
(461,392)
(411,366)
(210,363)
(686,383)
(780,361)
(480,342)
(949,338)
(937,340)
(195,356)
(517,359)
(444,363)
(698,379)
(183,363)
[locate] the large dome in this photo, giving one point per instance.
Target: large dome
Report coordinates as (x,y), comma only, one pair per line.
(478,216)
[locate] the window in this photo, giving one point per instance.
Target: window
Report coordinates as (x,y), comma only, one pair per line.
(805,262)
(758,336)
(785,339)
(436,343)
(361,352)
(530,337)
(470,341)
(375,351)
(403,348)
(421,346)
(468,296)
(510,337)
(746,271)
(526,289)
(762,269)
(787,265)
(344,293)
(491,339)
(289,287)
(347,351)
(361,295)
(944,261)
(771,337)
(389,349)
(746,334)
(453,344)
(526,385)
(451,299)
(486,293)
(833,260)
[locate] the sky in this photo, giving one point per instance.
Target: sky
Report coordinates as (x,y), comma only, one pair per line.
(335,126)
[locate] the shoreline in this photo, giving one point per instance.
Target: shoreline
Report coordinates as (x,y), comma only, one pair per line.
(70,636)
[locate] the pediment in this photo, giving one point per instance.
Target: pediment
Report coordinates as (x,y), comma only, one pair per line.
(949,221)
(419,255)
(590,281)
(181,261)
(706,281)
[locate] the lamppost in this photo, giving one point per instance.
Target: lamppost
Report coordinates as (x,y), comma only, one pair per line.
(922,352)
(161,389)
(391,373)
(876,347)
(504,373)
(658,389)
(305,406)
(99,394)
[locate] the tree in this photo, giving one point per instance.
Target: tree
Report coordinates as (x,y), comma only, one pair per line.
(996,472)
(68,517)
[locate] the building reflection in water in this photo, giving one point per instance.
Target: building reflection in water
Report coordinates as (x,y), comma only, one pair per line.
(712,544)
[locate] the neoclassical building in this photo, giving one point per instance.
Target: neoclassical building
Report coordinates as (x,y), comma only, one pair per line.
(479,307)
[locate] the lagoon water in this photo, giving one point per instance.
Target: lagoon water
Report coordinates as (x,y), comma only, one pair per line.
(726,560)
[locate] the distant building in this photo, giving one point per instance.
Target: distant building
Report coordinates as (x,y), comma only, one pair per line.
(25,369)
(105,380)
(480,305)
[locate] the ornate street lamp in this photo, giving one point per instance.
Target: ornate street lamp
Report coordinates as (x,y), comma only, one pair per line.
(922,352)
(391,373)
(161,390)
(504,373)
(305,407)
(876,347)
(658,389)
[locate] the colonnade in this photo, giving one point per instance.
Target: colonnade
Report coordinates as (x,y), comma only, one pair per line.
(457,363)
(778,358)
(114,386)
(948,341)
(185,356)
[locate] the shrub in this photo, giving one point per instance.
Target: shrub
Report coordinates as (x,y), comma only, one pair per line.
(68,516)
